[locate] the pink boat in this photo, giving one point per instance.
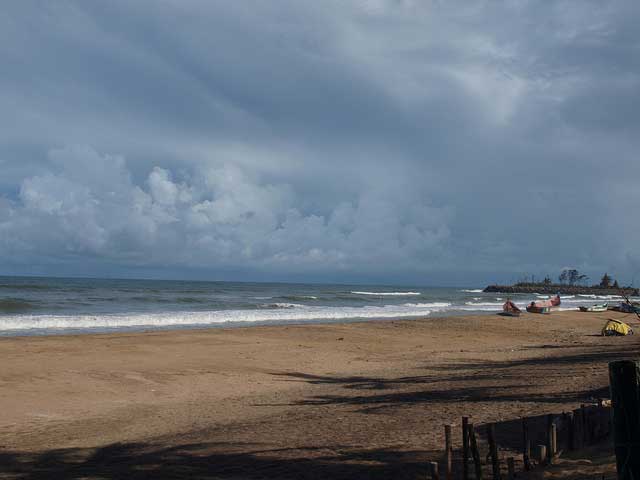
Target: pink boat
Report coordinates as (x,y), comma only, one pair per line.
(543,306)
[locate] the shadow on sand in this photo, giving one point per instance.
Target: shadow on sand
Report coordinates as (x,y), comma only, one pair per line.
(471,382)
(249,461)
(207,461)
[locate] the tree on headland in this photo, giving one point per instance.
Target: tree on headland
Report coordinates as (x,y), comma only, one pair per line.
(605,281)
(615,284)
(546,281)
(571,276)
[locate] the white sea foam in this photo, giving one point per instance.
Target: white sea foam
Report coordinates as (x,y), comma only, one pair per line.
(473,290)
(428,305)
(382,294)
(486,307)
(483,304)
(168,319)
(281,305)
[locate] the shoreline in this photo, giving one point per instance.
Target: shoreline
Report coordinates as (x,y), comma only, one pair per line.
(67,331)
(143,328)
(297,391)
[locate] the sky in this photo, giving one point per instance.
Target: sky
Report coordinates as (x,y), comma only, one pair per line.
(372,141)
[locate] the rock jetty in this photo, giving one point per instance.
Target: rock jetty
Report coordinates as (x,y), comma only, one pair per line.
(551,289)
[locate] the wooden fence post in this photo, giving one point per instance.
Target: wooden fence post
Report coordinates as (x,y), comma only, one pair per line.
(435,475)
(624,378)
(577,429)
(526,445)
(585,425)
(541,453)
(549,439)
(465,448)
(570,430)
(493,450)
(511,469)
(474,451)
(449,451)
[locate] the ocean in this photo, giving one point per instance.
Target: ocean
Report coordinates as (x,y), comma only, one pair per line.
(46,306)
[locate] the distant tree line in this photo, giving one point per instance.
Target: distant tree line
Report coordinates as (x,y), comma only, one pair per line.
(571,276)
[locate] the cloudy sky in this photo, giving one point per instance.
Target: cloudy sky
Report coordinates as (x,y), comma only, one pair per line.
(393,141)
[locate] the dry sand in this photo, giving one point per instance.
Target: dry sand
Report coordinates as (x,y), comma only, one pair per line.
(355,400)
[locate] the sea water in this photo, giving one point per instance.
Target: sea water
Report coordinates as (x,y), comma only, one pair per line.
(44,306)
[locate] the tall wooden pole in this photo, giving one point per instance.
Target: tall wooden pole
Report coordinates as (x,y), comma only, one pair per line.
(449,452)
(624,378)
(526,445)
(465,448)
(474,451)
(549,439)
(493,451)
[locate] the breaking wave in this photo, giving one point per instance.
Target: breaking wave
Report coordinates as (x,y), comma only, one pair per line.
(383,294)
(281,305)
(158,320)
(428,305)
(298,297)
(483,304)
(473,290)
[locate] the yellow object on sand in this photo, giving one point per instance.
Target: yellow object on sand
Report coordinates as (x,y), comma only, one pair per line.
(616,327)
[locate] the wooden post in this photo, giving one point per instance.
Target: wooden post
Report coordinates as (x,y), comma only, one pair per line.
(474,451)
(449,452)
(624,378)
(549,439)
(511,469)
(585,425)
(541,453)
(526,445)
(465,448)
(577,429)
(570,429)
(435,475)
(493,451)
(554,440)
(607,421)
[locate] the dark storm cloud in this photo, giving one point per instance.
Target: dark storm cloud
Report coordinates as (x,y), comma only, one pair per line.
(372,140)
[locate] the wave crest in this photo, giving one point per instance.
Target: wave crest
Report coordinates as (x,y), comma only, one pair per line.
(383,294)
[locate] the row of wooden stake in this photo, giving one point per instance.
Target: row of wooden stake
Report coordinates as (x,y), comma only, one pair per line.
(579,428)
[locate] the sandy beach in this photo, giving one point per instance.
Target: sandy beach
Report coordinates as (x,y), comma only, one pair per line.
(353,400)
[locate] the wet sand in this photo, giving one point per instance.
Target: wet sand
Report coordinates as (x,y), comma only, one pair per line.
(355,400)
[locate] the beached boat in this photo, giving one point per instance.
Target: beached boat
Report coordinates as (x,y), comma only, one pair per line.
(625,307)
(536,309)
(543,306)
(510,309)
(595,308)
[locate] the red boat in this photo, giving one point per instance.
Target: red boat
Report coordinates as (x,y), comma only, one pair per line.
(509,309)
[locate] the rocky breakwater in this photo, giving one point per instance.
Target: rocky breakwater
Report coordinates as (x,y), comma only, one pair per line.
(546,289)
